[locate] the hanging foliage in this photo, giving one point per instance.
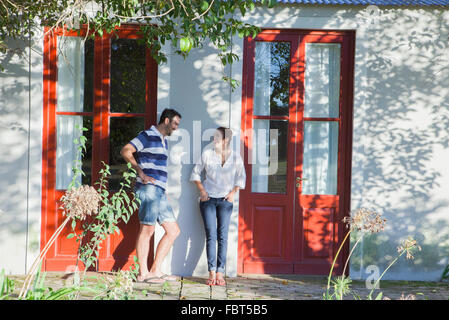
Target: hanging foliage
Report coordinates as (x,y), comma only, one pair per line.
(186,24)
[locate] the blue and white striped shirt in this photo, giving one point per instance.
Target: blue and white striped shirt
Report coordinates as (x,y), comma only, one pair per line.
(152,155)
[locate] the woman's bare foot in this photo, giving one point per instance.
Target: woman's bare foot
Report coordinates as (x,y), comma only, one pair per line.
(211,280)
(220,281)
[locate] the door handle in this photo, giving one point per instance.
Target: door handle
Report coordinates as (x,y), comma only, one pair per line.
(298,184)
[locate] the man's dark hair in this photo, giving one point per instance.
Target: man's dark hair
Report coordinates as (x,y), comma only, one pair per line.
(170,114)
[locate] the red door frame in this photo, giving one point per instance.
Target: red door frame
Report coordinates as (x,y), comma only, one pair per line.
(246,224)
(342,202)
(58,259)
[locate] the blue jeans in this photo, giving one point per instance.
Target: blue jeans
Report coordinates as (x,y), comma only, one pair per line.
(216,213)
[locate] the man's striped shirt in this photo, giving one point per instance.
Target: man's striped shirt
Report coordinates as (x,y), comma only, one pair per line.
(152,155)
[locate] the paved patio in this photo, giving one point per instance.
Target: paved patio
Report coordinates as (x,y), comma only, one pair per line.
(260,287)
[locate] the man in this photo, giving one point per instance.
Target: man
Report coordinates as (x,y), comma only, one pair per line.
(151,166)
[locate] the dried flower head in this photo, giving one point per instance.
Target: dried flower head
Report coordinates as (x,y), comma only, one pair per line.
(409,246)
(365,220)
(80,202)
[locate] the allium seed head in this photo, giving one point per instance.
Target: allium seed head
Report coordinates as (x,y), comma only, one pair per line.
(408,246)
(365,220)
(80,202)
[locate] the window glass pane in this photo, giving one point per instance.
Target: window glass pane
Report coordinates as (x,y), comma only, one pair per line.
(320,162)
(128,76)
(322,80)
(75,74)
(122,131)
(271,78)
(269,158)
(67,150)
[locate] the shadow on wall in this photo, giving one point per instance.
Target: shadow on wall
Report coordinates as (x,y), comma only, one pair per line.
(14,128)
(199,93)
(406,120)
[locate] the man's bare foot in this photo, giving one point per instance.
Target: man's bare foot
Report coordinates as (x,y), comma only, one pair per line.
(149,278)
(166,277)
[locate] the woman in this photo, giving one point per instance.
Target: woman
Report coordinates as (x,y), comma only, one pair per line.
(225,175)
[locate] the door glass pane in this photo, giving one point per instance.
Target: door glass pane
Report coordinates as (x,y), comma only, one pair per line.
(122,131)
(320,161)
(128,76)
(75,74)
(269,158)
(271,78)
(322,80)
(67,150)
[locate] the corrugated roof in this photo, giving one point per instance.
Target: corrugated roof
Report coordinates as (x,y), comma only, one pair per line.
(373,2)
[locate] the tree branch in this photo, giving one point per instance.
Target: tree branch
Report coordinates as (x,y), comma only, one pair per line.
(210,6)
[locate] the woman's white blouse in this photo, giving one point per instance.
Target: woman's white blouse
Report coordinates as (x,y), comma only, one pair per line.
(220,180)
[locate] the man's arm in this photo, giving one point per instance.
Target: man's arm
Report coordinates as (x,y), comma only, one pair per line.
(127,154)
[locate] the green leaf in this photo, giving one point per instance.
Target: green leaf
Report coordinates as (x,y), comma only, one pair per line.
(185,44)
(204,6)
(126,198)
(272,3)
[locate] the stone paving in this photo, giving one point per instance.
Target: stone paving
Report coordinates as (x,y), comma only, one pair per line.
(261,287)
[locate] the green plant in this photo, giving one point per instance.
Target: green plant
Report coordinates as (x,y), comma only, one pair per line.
(80,201)
(114,207)
(407,247)
(165,288)
(77,171)
(363,220)
(341,286)
(134,269)
(327,295)
(106,209)
(6,286)
(114,286)
(445,275)
(40,292)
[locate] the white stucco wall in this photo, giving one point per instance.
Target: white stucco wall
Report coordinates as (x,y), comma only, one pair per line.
(400,138)
(197,91)
(20,155)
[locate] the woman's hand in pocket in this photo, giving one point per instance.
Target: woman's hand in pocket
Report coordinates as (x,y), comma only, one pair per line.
(230,196)
(204,196)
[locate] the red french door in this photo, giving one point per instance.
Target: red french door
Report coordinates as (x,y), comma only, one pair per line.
(108,86)
(296,119)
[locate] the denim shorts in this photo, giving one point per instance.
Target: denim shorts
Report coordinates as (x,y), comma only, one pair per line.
(154,206)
